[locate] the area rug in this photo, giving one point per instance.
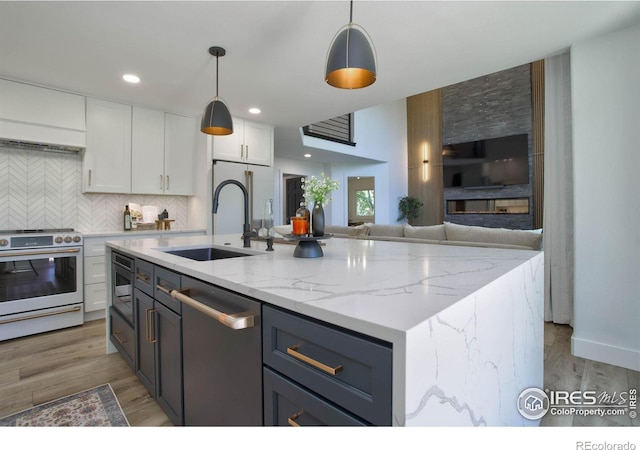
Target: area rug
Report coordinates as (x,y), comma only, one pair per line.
(96,407)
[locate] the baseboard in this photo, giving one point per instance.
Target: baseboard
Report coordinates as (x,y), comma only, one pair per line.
(609,354)
(94,315)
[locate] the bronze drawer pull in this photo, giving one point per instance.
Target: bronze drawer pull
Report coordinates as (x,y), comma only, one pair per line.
(238,321)
(292,419)
(318,365)
(143,277)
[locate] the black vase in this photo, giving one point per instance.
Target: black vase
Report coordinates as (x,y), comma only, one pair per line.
(317,220)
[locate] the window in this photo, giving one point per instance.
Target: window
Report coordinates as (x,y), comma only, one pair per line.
(365,202)
(339,129)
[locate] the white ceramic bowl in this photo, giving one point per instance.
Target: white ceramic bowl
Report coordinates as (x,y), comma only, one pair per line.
(283,229)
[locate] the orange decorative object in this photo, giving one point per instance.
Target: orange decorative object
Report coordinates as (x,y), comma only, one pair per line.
(299,225)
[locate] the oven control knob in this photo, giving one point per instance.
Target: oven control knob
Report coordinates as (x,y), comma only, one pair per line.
(4,242)
(58,239)
(67,239)
(76,239)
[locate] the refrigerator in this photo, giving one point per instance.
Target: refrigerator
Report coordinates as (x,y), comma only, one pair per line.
(259,183)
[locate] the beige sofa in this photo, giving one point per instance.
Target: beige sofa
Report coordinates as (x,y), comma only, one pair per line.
(445,234)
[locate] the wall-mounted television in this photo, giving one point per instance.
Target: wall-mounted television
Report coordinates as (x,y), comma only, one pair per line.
(487,163)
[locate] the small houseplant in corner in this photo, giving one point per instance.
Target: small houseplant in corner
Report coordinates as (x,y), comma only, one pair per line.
(410,208)
(318,190)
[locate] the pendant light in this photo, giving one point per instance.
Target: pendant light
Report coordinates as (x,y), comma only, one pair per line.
(351,61)
(217,118)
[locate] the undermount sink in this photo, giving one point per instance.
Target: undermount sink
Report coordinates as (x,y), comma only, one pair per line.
(206,253)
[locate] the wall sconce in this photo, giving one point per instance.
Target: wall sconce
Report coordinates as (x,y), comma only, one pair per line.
(425,162)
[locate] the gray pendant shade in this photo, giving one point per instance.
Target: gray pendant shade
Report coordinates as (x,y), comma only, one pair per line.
(351,62)
(217,118)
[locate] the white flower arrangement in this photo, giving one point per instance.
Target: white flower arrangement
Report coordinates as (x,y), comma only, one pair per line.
(318,189)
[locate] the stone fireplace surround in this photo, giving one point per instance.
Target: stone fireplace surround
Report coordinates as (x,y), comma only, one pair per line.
(491,106)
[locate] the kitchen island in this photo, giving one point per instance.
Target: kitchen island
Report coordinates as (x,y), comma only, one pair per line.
(465,323)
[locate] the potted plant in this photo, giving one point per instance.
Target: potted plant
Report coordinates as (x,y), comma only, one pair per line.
(410,208)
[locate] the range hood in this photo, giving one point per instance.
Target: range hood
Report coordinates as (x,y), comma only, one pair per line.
(33,136)
(37,118)
(22,145)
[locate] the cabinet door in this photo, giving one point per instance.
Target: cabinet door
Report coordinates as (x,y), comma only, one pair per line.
(258,143)
(145,361)
(168,332)
(230,147)
(179,156)
(106,166)
(147,151)
(288,404)
(95,297)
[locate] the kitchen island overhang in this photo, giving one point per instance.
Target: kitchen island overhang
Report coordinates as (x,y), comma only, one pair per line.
(465,323)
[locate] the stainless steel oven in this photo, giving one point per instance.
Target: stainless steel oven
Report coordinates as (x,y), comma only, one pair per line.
(41,281)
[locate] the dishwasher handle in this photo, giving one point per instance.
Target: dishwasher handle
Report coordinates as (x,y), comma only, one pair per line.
(238,321)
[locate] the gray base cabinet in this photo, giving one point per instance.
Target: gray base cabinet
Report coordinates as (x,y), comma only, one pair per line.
(123,337)
(334,366)
(158,362)
(288,404)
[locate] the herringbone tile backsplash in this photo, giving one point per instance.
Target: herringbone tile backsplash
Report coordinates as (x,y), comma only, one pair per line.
(44,190)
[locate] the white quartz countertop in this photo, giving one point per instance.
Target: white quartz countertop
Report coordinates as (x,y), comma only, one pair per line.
(382,289)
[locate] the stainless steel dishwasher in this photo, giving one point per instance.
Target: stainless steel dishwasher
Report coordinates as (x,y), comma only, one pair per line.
(222,363)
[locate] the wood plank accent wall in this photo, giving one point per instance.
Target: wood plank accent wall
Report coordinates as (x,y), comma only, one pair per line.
(424,142)
(537,103)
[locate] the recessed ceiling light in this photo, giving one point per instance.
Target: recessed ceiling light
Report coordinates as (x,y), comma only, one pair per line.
(307,155)
(130,78)
(254,110)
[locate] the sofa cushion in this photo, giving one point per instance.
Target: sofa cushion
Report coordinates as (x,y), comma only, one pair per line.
(432,232)
(468,233)
(385,230)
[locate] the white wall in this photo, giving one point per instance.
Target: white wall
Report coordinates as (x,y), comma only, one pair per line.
(606,140)
(380,133)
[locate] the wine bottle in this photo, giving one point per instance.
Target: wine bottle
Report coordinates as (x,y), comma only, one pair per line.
(127,218)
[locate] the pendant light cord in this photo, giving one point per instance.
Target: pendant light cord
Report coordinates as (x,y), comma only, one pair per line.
(217,76)
(351,12)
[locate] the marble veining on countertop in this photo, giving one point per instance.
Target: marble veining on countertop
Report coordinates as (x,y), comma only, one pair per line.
(379,288)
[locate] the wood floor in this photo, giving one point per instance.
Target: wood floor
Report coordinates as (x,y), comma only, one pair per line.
(44,367)
(563,371)
(40,368)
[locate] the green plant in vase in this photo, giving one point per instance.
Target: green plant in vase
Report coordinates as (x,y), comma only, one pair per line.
(317,191)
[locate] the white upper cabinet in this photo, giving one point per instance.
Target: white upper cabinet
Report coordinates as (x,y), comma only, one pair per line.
(35,114)
(250,143)
(147,151)
(135,150)
(106,166)
(163,153)
(179,154)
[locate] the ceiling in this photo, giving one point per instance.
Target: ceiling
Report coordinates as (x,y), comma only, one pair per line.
(276,50)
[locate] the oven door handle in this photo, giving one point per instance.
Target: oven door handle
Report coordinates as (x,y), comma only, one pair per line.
(48,251)
(238,321)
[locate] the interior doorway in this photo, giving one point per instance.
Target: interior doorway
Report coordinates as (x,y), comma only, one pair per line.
(293,196)
(361,200)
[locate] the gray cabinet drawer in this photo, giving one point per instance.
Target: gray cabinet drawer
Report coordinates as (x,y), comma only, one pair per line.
(168,280)
(123,337)
(289,404)
(144,276)
(347,369)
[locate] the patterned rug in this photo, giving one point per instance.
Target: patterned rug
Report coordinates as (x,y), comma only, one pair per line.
(96,407)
